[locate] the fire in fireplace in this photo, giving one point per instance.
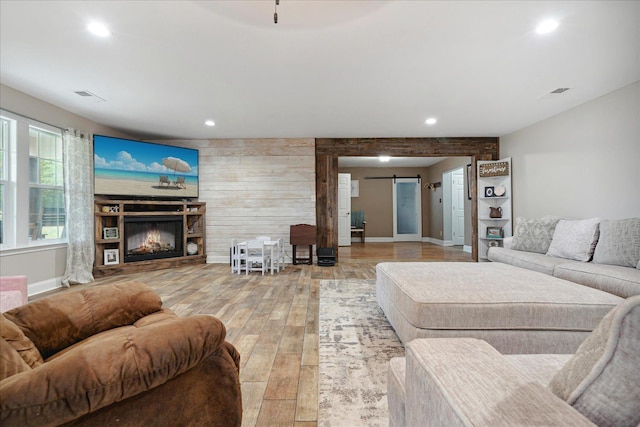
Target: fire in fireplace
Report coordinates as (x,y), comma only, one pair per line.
(152,237)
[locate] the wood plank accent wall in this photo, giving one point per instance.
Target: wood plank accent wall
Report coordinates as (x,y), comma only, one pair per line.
(254,187)
(329,149)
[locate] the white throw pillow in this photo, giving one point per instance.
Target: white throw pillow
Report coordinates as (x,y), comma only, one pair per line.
(575,239)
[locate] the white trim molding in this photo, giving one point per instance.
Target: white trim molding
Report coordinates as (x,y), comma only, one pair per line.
(44,286)
(375,240)
(438,241)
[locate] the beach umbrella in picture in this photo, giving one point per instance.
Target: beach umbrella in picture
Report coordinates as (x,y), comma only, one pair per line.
(176,164)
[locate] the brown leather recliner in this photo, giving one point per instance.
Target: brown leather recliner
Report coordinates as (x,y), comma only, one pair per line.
(110,354)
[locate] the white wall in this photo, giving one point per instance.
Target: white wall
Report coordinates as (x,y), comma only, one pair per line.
(582,163)
(254,187)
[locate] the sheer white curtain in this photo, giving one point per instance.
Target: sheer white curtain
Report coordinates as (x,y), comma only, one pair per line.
(78,184)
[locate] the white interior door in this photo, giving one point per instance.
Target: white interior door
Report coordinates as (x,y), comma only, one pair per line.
(457,206)
(344,209)
(407,210)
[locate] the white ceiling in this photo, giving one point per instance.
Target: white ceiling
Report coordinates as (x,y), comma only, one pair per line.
(327,69)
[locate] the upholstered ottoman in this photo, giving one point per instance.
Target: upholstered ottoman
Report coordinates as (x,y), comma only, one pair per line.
(514,309)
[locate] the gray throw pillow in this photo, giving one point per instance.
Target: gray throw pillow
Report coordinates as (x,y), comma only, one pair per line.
(533,235)
(619,243)
(601,379)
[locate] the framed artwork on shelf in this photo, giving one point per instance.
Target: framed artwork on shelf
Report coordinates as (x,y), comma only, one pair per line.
(488,191)
(110,233)
(111,257)
(500,168)
(494,232)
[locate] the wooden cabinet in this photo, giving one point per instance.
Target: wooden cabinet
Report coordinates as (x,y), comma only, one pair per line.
(494,204)
(111,252)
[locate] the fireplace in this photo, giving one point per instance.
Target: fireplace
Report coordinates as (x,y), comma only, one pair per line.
(152,237)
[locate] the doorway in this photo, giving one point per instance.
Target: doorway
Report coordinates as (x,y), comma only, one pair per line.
(453,197)
(329,149)
(457,207)
(344,209)
(407,210)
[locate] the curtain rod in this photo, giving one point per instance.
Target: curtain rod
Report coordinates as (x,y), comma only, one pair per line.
(32,118)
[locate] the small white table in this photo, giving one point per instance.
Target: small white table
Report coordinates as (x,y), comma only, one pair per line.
(273,250)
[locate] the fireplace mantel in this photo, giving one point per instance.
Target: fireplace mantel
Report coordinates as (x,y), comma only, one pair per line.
(110,217)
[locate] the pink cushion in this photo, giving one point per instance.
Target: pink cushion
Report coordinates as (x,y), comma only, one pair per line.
(13,292)
(9,300)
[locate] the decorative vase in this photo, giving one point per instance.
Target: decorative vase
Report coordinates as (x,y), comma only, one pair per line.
(495,212)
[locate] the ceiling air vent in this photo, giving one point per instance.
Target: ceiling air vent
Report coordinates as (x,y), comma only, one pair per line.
(560,90)
(87,94)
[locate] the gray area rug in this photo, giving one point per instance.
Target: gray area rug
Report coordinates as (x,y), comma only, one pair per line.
(356,343)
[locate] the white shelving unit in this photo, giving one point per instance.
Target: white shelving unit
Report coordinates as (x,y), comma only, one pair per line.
(495,173)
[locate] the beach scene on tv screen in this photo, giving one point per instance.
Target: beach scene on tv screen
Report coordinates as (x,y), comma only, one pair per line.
(140,169)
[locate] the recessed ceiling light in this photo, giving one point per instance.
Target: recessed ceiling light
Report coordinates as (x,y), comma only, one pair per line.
(99,29)
(384,158)
(431,121)
(210,123)
(547,26)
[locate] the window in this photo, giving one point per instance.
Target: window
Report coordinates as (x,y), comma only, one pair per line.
(31,180)
(4,174)
(46,188)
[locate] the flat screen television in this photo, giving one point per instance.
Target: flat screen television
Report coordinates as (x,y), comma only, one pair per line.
(137,169)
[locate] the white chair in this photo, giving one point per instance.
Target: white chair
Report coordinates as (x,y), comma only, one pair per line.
(239,256)
(256,259)
(272,248)
(280,263)
(235,261)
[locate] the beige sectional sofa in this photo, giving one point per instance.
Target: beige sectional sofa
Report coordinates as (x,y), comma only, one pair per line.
(609,261)
(466,382)
(528,300)
(511,328)
(513,309)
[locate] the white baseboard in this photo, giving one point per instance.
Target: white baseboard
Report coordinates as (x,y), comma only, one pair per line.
(437,241)
(44,286)
(466,248)
(376,240)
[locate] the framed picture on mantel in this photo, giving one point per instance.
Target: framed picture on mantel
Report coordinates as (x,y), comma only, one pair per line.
(110,233)
(111,257)
(494,232)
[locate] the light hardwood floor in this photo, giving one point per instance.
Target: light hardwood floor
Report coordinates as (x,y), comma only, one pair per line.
(273,320)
